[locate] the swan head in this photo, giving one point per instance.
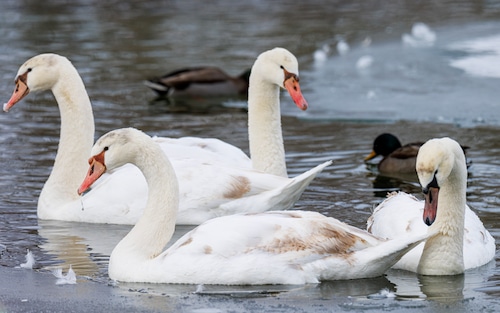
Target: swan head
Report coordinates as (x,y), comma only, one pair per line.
(39,73)
(280,67)
(112,150)
(438,163)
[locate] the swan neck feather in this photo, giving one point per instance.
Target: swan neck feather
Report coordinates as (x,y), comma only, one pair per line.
(156,226)
(264,127)
(75,143)
(443,253)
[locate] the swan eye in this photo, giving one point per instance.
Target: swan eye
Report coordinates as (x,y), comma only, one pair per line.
(281,67)
(432,184)
(106,148)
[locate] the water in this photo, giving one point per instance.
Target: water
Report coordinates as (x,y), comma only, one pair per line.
(448,87)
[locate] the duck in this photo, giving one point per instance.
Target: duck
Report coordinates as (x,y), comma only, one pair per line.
(233,182)
(462,242)
(200,81)
(272,247)
(396,157)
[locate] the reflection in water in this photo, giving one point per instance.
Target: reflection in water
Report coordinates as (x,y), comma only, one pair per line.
(85,246)
(354,288)
(383,184)
(445,289)
(199,105)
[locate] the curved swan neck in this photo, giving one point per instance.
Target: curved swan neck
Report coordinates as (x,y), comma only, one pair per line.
(156,226)
(76,139)
(267,150)
(443,253)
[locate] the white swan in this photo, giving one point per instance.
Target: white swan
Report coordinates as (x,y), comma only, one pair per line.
(463,242)
(230,183)
(275,247)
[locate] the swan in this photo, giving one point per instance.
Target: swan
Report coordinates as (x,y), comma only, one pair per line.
(232,181)
(274,247)
(462,242)
(200,81)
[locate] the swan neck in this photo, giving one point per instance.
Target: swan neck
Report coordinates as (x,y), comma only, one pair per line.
(75,142)
(156,226)
(267,150)
(443,253)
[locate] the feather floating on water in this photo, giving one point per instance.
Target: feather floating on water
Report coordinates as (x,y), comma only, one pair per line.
(30,260)
(68,279)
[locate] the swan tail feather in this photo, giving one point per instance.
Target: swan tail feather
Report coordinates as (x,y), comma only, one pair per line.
(277,199)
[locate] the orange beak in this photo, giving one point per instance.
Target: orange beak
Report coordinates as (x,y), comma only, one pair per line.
(20,92)
(371,155)
(96,169)
(430,206)
(291,84)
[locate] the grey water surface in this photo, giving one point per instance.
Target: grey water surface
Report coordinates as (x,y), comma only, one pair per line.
(444,84)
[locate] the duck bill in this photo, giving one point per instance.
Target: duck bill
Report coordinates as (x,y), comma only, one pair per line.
(371,155)
(430,205)
(20,92)
(291,84)
(97,168)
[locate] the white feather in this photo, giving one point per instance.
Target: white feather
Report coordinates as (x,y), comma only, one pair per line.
(30,260)
(68,279)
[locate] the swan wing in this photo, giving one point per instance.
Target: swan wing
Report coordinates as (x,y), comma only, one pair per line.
(285,247)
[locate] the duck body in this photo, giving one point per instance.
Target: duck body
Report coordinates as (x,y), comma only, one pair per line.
(462,242)
(200,81)
(231,180)
(396,158)
(274,247)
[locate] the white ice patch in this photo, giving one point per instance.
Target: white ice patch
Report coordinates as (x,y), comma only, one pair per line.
(483,56)
(421,36)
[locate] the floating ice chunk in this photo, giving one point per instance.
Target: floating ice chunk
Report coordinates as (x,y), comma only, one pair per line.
(321,54)
(342,47)
(366,42)
(30,260)
(421,36)
(68,279)
(364,62)
(423,32)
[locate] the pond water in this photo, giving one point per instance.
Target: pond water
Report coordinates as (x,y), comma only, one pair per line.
(443,84)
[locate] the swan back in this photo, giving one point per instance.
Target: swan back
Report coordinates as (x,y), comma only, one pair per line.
(442,172)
